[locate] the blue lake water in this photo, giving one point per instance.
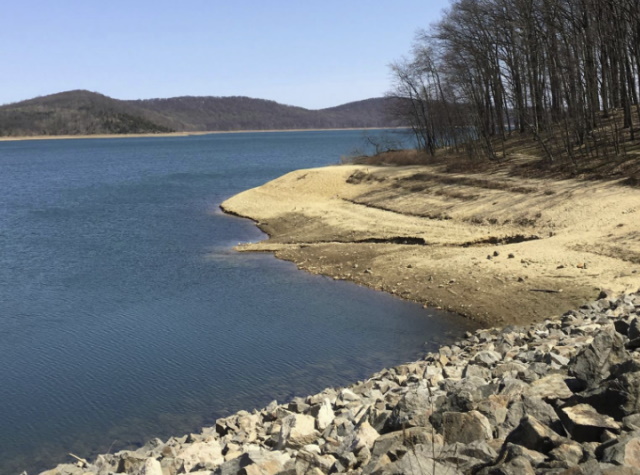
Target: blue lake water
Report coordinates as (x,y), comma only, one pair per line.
(125,314)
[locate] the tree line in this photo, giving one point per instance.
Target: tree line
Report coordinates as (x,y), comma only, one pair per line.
(566,72)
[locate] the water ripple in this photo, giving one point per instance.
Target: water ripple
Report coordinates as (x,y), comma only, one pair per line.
(125,315)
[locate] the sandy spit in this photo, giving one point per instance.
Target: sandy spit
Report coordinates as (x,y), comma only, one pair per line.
(98,136)
(167,134)
(497,249)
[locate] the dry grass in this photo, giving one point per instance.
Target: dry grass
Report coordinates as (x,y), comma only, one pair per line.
(608,152)
(394,158)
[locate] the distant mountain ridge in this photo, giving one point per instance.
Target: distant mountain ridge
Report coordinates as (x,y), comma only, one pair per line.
(82,112)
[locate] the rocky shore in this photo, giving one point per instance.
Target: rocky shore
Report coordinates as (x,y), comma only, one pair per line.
(561,396)
(535,396)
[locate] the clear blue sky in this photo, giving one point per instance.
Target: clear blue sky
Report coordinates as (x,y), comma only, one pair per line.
(313,54)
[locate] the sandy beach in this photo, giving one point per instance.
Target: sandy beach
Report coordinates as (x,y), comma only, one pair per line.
(497,249)
(99,136)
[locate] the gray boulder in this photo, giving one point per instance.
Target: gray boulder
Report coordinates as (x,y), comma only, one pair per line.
(465,427)
(534,435)
(585,424)
(626,452)
(412,410)
(593,363)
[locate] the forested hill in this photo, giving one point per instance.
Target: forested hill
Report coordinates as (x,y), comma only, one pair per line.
(244,113)
(86,113)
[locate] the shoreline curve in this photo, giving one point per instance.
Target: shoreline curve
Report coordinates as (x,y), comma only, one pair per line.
(493,248)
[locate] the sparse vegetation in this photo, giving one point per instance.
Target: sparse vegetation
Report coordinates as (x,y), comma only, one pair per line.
(562,77)
(393,158)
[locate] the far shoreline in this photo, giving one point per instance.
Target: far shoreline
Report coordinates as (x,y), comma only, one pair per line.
(179,134)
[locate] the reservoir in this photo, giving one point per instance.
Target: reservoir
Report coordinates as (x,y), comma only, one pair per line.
(125,314)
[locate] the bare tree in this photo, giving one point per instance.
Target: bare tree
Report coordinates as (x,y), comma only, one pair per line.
(553,69)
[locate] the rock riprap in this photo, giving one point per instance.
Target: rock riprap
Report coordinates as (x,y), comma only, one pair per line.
(561,397)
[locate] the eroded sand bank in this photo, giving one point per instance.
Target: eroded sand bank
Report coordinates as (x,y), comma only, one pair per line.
(498,249)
